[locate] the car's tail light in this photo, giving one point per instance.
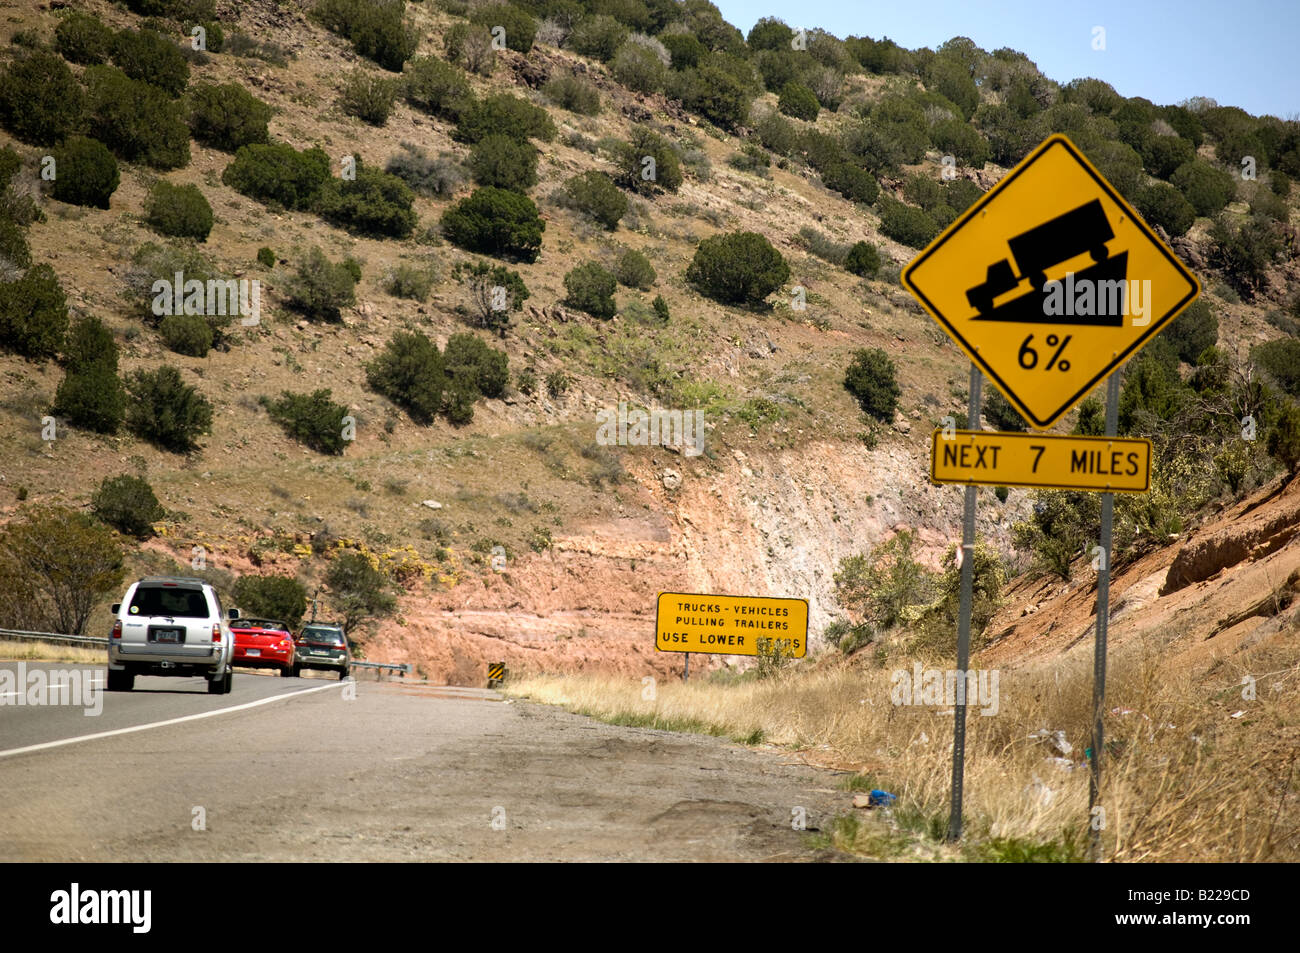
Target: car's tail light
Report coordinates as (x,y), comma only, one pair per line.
(117,629)
(216,633)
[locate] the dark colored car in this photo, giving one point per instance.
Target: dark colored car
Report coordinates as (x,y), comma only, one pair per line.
(322,645)
(263,643)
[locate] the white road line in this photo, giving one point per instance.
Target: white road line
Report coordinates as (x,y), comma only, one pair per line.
(159,724)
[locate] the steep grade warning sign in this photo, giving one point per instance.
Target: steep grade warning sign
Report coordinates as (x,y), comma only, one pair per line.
(730,625)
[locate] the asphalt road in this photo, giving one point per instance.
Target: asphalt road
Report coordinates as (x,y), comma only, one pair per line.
(314,770)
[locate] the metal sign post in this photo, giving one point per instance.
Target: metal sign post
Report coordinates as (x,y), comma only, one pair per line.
(686,672)
(1103,623)
(963,621)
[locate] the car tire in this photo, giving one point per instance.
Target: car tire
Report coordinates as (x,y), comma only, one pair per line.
(222,684)
(343,673)
(120,681)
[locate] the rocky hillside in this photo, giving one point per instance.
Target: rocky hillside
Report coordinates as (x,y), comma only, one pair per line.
(794,476)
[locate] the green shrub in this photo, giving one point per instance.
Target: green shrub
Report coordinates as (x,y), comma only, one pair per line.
(685,50)
(40,100)
(409,281)
(714,94)
(458,403)
(952,80)
(1279,183)
(769,33)
(504,162)
(320,288)
(505,114)
(1162,155)
(85,172)
(638,67)
(437,87)
(590,288)
(557,383)
(281,598)
(520,28)
(1280,359)
(278,173)
(174,9)
(227,116)
(863,259)
(151,58)
(799,101)
(873,382)
(314,420)
(139,122)
(634,270)
(436,177)
(595,194)
(188,334)
(750,158)
(823,246)
(1192,331)
(166,411)
(905,224)
(91,394)
(495,222)
(1243,253)
(470,46)
(999,412)
(962,141)
(648,162)
(1284,437)
(410,373)
(15,253)
(777,133)
(374,203)
(661,308)
(526,382)
(127,503)
(1162,204)
(495,293)
(737,268)
(961,194)
(92,398)
(375,27)
(854,183)
(475,367)
(598,36)
(178,210)
(571,92)
(82,38)
(358,589)
(33,314)
(266,257)
(368,97)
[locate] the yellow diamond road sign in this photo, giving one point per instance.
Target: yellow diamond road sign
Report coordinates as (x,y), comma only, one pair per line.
(1050,282)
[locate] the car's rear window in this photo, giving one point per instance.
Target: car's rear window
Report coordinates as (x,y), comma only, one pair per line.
(328,636)
(173,601)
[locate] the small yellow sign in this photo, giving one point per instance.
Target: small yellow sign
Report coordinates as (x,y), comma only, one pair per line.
(986,458)
(1050,282)
(730,625)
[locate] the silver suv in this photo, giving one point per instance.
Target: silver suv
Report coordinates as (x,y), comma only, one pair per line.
(171,625)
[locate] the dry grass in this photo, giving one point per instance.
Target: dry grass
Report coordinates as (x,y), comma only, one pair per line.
(50,652)
(1182,780)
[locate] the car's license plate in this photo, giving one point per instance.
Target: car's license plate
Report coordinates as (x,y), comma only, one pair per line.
(167,635)
(319,652)
(252,651)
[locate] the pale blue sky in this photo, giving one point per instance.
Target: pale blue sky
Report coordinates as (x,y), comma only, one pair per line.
(1238,52)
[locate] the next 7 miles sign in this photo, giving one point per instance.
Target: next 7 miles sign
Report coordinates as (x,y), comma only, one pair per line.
(1050,282)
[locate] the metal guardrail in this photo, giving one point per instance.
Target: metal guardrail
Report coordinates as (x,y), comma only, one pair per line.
(402,669)
(19,635)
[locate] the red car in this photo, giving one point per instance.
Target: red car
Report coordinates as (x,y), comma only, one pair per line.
(263,643)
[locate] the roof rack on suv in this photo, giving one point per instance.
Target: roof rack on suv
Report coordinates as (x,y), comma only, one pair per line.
(192,580)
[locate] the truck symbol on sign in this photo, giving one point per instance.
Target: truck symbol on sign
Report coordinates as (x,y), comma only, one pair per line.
(1085,228)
